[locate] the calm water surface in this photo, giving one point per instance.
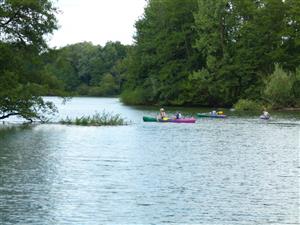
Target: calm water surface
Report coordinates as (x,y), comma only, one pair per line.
(235,171)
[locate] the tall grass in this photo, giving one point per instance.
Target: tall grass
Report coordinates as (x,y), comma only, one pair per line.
(98,119)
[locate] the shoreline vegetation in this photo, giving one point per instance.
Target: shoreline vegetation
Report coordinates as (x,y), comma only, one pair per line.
(240,54)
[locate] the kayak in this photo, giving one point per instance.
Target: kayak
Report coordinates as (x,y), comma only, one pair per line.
(169,120)
(210,116)
(182,120)
(264,117)
(149,119)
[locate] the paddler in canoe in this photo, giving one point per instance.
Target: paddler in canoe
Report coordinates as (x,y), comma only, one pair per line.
(215,113)
(162,117)
(265,115)
(212,114)
(178,115)
(162,114)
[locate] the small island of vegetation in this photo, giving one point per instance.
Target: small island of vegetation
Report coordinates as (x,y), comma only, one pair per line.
(98,119)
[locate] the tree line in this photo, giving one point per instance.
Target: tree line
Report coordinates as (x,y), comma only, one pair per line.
(185,52)
(216,53)
(85,69)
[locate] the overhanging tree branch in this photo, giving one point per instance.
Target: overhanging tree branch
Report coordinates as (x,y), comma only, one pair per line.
(15,15)
(8,115)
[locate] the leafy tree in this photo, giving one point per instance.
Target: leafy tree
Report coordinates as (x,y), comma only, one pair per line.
(23,25)
(296,85)
(82,67)
(247,105)
(241,41)
(26,22)
(108,86)
(279,89)
(291,36)
(163,55)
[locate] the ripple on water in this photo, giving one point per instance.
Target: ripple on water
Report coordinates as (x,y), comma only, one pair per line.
(233,171)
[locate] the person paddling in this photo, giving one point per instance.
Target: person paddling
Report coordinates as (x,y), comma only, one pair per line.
(162,114)
(214,113)
(178,115)
(266,114)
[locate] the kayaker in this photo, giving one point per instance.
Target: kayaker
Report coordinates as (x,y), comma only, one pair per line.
(213,113)
(162,114)
(178,115)
(266,114)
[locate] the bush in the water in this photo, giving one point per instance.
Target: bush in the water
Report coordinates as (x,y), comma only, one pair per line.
(247,105)
(98,119)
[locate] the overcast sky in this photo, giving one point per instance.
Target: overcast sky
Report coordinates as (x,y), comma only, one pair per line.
(97,21)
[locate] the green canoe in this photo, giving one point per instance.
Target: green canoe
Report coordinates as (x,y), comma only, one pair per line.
(149,119)
(210,116)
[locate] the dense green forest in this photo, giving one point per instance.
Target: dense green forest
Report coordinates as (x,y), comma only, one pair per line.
(185,52)
(85,69)
(215,53)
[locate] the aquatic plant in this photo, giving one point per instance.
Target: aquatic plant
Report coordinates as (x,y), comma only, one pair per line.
(98,119)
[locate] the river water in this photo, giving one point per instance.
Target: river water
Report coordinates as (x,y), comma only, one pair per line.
(239,170)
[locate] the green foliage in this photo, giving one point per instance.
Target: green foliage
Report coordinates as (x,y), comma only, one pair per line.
(296,86)
(108,85)
(23,100)
(86,69)
(248,105)
(98,119)
(26,22)
(195,52)
(159,63)
(134,97)
(210,53)
(23,25)
(279,89)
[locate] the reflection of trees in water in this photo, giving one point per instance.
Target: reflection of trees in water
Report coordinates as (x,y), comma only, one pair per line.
(7,131)
(14,127)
